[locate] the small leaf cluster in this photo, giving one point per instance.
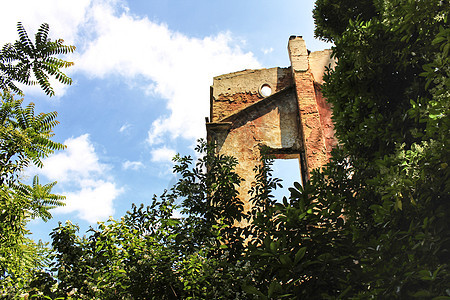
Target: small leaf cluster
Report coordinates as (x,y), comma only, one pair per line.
(25,138)
(31,63)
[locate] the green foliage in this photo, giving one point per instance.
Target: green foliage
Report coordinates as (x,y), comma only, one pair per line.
(390,101)
(301,246)
(209,197)
(33,63)
(24,264)
(374,223)
(25,139)
(20,257)
(332,16)
(151,254)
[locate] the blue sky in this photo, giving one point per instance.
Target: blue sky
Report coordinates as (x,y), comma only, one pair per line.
(141,87)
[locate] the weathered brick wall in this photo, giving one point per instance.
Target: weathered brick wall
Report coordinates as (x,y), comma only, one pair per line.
(294,121)
(273,123)
(310,124)
(326,122)
(235,91)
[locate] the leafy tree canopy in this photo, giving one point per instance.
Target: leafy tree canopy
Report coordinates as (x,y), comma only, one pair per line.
(25,139)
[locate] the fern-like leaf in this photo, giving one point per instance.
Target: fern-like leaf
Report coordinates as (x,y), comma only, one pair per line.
(21,60)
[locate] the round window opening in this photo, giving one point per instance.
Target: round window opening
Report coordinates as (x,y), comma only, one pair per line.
(265,90)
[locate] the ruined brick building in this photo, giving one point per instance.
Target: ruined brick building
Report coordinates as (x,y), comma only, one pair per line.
(280,108)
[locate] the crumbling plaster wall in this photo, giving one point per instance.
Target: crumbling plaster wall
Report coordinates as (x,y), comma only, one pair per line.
(236,91)
(294,121)
(272,123)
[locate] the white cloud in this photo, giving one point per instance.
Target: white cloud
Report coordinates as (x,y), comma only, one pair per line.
(94,202)
(133,165)
(124,127)
(267,50)
(79,160)
(84,180)
(186,83)
(163,154)
(175,67)
(64,18)
(111,40)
